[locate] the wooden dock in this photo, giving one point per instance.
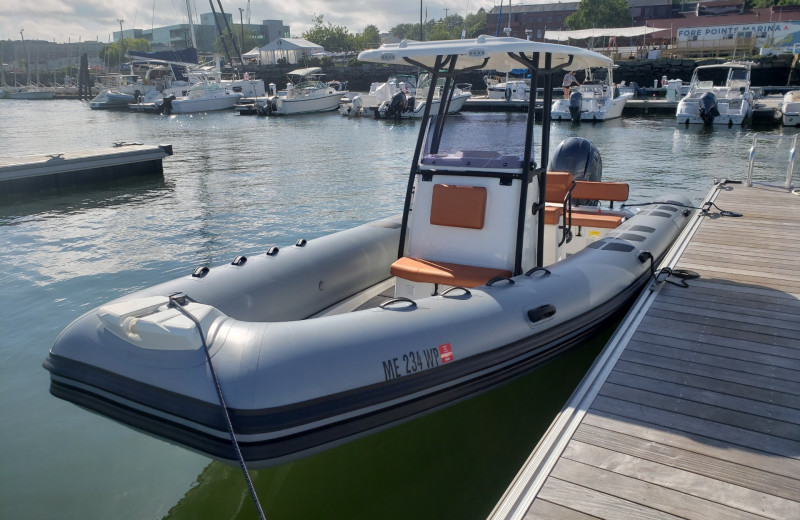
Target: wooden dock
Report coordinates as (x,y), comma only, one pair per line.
(693,408)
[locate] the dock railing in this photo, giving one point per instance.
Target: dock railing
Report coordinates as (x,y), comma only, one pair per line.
(755,160)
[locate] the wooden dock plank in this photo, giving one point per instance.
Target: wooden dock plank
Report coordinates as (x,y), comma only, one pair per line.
(636,490)
(742,375)
(721,397)
(714,384)
(695,443)
(757,479)
(697,412)
(596,503)
(703,495)
(544,510)
(699,409)
(732,434)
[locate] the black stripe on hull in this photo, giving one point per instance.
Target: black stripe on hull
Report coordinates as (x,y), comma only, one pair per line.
(481,373)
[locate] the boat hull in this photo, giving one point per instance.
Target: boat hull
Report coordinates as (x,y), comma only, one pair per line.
(307,105)
(205,104)
(592,109)
(297,381)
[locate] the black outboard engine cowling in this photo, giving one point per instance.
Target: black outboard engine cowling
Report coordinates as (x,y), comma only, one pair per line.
(397,105)
(575,102)
(579,157)
(708,108)
(166,105)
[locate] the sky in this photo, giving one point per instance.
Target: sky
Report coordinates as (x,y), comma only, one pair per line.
(90,20)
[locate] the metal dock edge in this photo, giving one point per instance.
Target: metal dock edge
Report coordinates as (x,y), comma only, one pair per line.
(704,433)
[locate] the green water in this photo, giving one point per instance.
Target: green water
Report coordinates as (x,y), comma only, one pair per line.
(454,463)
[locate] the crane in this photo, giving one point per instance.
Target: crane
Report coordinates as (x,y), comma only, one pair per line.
(247,12)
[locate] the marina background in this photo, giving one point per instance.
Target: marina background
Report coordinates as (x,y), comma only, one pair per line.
(238,185)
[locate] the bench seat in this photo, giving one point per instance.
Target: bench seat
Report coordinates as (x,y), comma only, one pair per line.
(443,273)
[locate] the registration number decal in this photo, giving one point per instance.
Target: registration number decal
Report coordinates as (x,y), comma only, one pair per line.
(415,361)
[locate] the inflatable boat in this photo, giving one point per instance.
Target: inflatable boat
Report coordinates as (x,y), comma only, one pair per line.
(495,265)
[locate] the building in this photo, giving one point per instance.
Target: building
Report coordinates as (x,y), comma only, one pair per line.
(531,21)
(47,60)
(179,36)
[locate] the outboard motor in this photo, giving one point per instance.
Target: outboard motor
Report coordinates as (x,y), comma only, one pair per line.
(166,105)
(412,102)
(575,102)
(579,157)
(397,105)
(708,108)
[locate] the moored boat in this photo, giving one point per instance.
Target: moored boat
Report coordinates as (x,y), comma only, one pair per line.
(305,93)
(718,94)
(491,270)
(596,99)
(790,108)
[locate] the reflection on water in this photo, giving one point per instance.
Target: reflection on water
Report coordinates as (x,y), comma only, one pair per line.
(454,463)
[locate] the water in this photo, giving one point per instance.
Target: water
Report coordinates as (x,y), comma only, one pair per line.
(238,185)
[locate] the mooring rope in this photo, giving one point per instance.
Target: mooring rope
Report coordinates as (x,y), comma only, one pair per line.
(174,303)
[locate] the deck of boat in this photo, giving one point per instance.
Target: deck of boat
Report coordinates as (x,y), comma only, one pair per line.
(693,408)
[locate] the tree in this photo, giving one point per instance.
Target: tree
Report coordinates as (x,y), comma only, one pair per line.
(475,24)
(757,4)
(370,38)
(406,31)
(600,13)
(112,52)
(333,38)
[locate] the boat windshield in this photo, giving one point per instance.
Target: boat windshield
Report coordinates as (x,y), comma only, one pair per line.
(481,139)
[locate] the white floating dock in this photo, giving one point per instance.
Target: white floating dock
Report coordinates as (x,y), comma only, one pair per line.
(62,170)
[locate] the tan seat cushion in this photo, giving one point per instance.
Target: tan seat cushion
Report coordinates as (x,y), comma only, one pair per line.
(428,271)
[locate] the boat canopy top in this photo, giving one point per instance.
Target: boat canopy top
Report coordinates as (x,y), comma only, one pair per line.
(487,52)
(305,72)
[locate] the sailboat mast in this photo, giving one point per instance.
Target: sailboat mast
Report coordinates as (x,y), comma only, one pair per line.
(191,23)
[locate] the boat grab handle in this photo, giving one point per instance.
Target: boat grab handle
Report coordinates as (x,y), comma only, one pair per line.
(398,299)
(540,313)
(457,287)
(500,279)
(537,270)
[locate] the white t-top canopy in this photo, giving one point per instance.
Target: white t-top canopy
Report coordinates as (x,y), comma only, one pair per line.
(494,51)
(622,32)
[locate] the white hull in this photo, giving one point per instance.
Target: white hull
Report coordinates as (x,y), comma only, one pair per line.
(733,97)
(189,106)
(29,94)
(592,108)
(791,108)
(307,105)
(688,112)
(510,91)
(456,104)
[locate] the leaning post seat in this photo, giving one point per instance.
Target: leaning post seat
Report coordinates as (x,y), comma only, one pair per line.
(462,223)
(452,206)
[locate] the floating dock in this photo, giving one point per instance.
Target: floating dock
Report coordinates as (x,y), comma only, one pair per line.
(693,408)
(62,170)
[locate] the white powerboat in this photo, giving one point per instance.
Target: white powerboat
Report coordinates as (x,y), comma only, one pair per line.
(305,93)
(405,103)
(492,269)
(379,92)
(790,108)
(508,88)
(202,97)
(29,92)
(718,94)
(594,100)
